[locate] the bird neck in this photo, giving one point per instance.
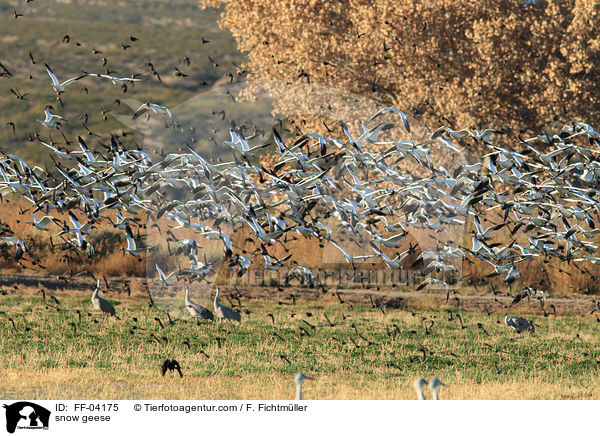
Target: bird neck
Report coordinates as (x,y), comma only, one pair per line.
(95,294)
(187,295)
(421,394)
(435,394)
(217,297)
(298,391)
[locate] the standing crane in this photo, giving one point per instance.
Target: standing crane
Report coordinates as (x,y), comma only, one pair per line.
(299,379)
(433,385)
(419,384)
(101,304)
(196,310)
(519,324)
(224,312)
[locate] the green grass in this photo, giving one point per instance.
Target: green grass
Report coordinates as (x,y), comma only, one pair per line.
(562,355)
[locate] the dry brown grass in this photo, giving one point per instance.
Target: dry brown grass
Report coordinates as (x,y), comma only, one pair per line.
(105,360)
(87,383)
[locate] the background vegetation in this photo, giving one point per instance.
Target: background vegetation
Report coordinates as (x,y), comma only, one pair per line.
(501,64)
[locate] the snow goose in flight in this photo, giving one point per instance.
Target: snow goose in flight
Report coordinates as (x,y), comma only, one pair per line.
(41,224)
(119,81)
(393,110)
(60,87)
(166,280)
(51,120)
(131,247)
(156,108)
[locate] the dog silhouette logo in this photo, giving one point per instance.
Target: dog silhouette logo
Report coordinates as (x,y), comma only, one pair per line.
(26,415)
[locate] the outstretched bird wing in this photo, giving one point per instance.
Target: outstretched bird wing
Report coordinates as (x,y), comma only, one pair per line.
(177,367)
(165,366)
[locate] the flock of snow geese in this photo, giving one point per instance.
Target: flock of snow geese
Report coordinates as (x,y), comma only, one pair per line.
(317,187)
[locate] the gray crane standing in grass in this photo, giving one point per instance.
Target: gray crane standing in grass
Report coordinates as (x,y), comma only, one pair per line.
(433,386)
(224,312)
(519,324)
(196,310)
(419,384)
(101,304)
(299,379)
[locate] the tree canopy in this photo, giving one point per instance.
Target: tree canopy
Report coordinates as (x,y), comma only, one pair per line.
(502,64)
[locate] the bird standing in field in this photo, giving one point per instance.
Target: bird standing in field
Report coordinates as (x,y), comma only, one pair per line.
(196,310)
(224,312)
(519,324)
(419,384)
(101,304)
(299,379)
(433,386)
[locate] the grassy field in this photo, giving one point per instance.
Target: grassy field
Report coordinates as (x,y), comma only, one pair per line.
(366,354)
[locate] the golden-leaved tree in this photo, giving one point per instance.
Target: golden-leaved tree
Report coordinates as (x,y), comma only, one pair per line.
(500,63)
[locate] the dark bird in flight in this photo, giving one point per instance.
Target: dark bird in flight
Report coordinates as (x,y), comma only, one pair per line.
(5,72)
